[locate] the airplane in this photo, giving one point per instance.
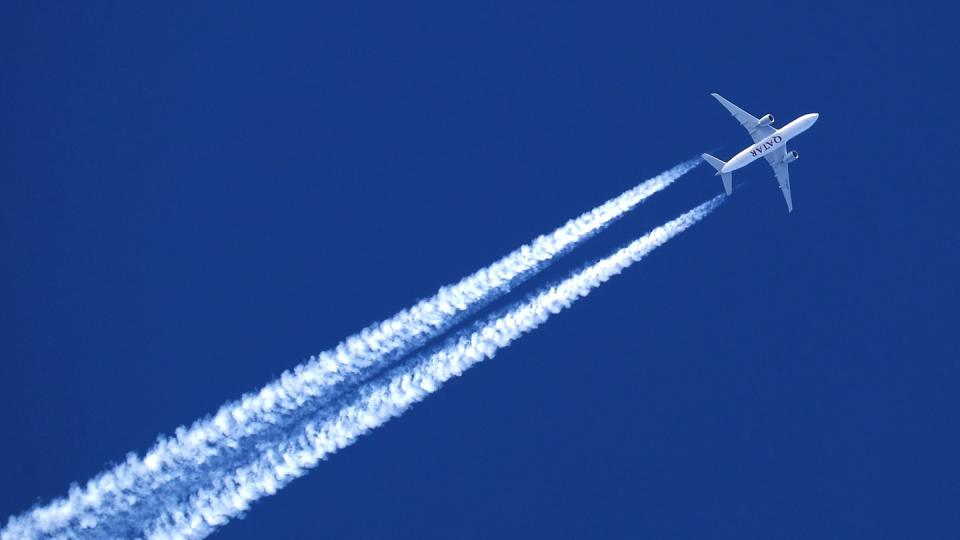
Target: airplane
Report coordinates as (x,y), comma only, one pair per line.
(768,142)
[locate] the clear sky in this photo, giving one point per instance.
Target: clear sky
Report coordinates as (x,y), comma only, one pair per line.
(194,198)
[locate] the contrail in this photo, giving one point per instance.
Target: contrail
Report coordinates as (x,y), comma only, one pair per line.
(378,401)
(320,378)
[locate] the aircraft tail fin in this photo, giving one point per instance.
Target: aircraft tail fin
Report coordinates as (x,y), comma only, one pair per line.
(718,164)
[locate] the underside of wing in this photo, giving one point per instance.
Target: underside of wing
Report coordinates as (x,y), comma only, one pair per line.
(748,121)
(776,156)
(783,178)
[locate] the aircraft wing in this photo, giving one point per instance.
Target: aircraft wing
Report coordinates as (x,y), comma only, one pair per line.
(747,120)
(780,169)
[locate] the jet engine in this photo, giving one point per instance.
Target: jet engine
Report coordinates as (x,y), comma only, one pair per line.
(791,157)
(765,120)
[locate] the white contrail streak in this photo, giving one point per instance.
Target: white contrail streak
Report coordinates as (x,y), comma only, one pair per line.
(379,401)
(115,490)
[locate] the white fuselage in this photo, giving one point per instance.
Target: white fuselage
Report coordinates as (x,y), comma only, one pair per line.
(770,143)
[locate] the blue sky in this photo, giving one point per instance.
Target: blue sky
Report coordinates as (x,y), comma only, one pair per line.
(195,198)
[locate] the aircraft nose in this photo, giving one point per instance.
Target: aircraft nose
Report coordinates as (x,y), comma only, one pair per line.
(813,117)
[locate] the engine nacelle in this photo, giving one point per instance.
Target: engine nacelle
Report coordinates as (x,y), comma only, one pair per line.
(791,157)
(765,120)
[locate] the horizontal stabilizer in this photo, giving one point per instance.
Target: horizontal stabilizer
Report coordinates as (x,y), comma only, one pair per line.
(714,162)
(718,165)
